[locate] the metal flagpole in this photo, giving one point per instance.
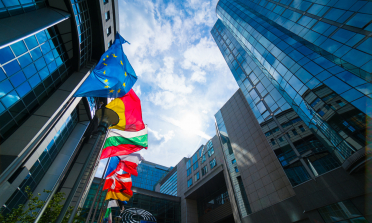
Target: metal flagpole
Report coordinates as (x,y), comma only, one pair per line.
(98,190)
(103,210)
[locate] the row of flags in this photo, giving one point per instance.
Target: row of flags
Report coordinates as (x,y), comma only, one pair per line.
(114,77)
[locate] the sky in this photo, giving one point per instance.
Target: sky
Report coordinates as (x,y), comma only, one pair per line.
(183,79)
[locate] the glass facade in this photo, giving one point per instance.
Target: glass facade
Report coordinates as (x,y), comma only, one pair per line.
(148,175)
(170,186)
(240,196)
(42,164)
(212,199)
(304,77)
(82,19)
(30,70)
(16,7)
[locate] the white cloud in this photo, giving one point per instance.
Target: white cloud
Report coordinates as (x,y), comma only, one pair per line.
(199,76)
(188,125)
(137,89)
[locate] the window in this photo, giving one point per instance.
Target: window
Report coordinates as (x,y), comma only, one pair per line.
(236,169)
(105,1)
(301,128)
(281,139)
(272,141)
(288,135)
(204,170)
(268,133)
(343,211)
(188,164)
(315,102)
(189,182)
(109,44)
(210,152)
(189,172)
(203,159)
(212,163)
(108,31)
(340,103)
(320,112)
(233,161)
(107,15)
(197,176)
(195,166)
(195,158)
(294,132)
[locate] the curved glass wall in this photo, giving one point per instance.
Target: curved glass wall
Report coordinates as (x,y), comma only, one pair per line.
(291,82)
(42,164)
(30,71)
(82,18)
(16,7)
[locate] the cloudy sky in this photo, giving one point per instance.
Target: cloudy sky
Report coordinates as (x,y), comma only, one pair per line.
(183,79)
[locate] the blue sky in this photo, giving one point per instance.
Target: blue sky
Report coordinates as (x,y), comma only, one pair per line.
(183,79)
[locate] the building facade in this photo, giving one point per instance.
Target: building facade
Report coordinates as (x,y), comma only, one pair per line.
(148,175)
(297,128)
(201,182)
(45,55)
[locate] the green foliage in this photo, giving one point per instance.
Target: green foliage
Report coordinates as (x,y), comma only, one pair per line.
(28,213)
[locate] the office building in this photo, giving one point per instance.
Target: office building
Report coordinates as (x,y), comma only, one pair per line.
(201,183)
(297,127)
(46,52)
(149,174)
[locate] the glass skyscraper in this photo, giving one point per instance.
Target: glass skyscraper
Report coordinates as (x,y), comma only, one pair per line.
(304,68)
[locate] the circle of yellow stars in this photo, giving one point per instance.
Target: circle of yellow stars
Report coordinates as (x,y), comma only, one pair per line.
(104,72)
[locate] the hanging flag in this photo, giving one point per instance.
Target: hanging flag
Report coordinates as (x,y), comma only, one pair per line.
(119,186)
(114,162)
(108,215)
(119,143)
(129,163)
(112,77)
(129,111)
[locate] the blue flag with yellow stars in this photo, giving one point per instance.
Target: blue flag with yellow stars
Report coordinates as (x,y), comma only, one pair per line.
(113,77)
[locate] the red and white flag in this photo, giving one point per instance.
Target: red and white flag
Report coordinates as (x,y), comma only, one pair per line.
(129,163)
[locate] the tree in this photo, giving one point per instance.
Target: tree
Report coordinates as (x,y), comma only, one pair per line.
(28,213)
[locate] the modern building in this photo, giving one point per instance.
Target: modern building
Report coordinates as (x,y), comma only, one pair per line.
(297,129)
(46,52)
(149,174)
(201,182)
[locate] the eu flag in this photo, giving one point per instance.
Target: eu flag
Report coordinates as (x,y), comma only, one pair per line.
(113,77)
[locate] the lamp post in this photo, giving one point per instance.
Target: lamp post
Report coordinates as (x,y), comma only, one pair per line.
(106,118)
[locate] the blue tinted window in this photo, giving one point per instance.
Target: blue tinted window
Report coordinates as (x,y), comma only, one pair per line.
(313,68)
(364,104)
(337,85)
(45,47)
(36,53)
(366,46)
(23,89)
(5,87)
(31,42)
(19,48)
(331,45)
(17,79)
(6,55)
(41,37)
(35,80)
(9,3)
(343,35)
(350,78)
(303,75)
(334,14)
(25,60)
(2,75)
(12,68)
(359,20)
(357,58)
(351,95)
(10,99)
(40,64)
(30,70)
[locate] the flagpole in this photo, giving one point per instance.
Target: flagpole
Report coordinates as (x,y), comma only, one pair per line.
(103,210)
(95,196)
